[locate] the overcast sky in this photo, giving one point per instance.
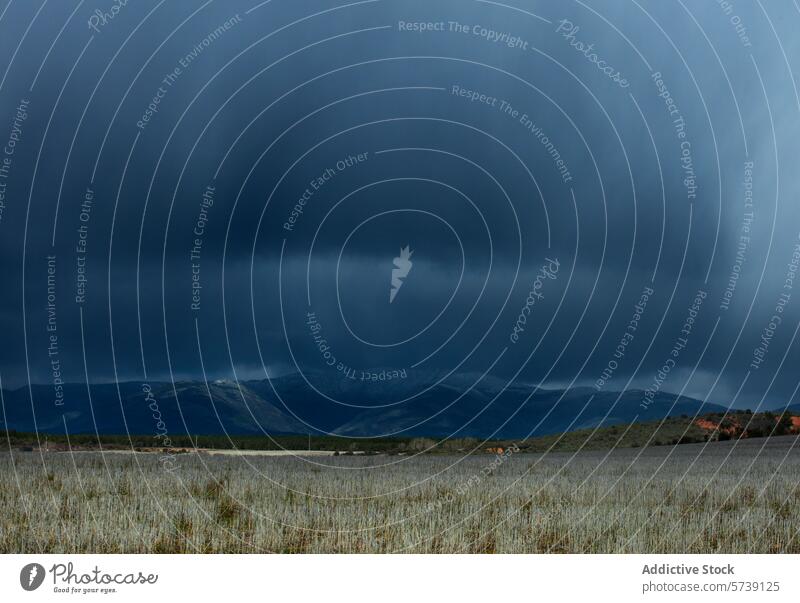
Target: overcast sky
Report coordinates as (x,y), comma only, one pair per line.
(506,152)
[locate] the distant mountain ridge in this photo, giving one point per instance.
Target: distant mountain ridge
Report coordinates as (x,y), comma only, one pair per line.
(424,404)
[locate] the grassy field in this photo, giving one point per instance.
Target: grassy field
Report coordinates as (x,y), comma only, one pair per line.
(730,497)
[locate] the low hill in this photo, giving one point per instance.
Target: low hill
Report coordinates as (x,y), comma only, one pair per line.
(670,431)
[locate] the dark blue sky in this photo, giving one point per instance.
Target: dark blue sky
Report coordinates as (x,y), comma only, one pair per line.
(492,143)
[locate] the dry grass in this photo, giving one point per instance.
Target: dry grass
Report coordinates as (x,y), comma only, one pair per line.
(662,502)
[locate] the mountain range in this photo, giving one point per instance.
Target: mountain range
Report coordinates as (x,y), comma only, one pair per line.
(425,404)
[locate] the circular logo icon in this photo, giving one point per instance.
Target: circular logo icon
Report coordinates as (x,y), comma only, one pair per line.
(31,576)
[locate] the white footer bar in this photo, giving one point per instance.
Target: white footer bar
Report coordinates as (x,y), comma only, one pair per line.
(401,578)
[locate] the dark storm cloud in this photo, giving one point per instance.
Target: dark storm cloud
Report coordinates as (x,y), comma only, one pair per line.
(636,213)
